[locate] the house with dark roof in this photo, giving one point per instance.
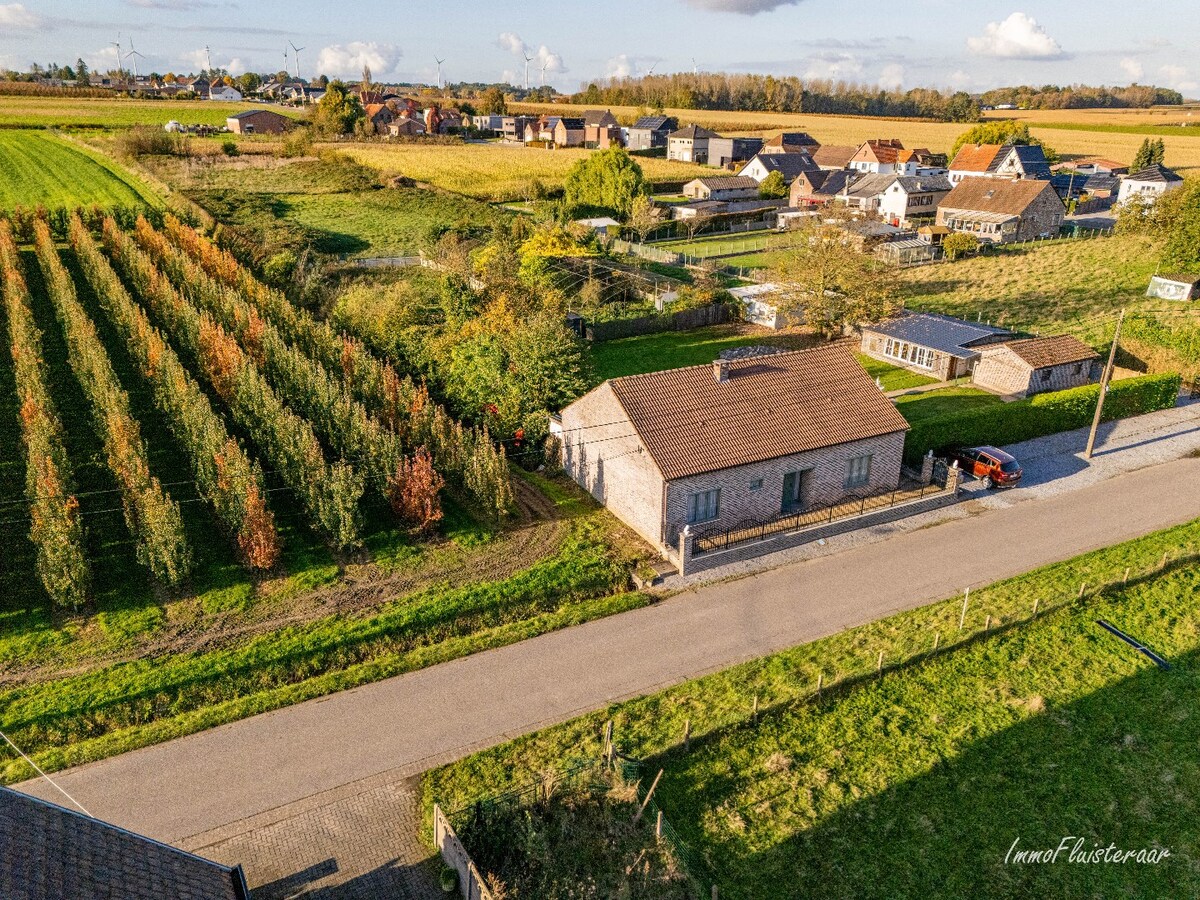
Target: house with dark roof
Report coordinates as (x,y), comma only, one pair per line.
(789,165)
(1148,184)
(791,142)
(832,157)
(690,144)
(721,187)
(1101,186)
(1035,365)
(48,852)
(737,440)
(996,210)
(897,199)
(569,132)
(601,129)
(820,188)
(726,152)
(258,121)
(1020,161)
(940,346)
(650,132)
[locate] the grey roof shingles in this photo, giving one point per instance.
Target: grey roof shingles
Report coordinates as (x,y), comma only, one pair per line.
(943,333)
(788,164)
(49,852)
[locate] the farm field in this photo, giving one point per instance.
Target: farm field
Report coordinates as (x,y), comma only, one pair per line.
(263,562)
(1182,150)
(72,112)
(335,206)
(495,172)
(39,169)
(916,783)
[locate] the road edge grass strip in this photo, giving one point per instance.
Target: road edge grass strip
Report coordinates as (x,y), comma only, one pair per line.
(378,669)
(654,724)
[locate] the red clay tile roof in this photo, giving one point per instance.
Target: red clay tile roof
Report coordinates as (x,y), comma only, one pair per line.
(1053,350)
(770,406)
(975,157)
(885,150)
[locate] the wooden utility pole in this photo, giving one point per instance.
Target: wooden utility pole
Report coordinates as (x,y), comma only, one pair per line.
(1104,380)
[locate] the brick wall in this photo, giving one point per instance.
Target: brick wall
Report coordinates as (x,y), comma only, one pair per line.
(1004,372)
(824,485)
(605,458)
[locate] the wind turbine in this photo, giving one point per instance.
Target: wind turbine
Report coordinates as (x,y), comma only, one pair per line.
(296,52)
(285,60)
(695,69)
(117,44)
(208,59)
(439,65)
(528,60)
(136,56)
(545,66)
(650,71)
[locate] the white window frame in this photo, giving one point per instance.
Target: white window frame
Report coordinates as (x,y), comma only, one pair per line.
(703,506)
(909,354)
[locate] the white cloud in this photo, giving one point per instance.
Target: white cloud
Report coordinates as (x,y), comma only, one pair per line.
(891,77)
(1132,68)
(347,60)
(744,7)
(15,15)
(620,67)
(541,59)
(834,66)
(959,80)
(197,60)
(1017,37)
(1178,77)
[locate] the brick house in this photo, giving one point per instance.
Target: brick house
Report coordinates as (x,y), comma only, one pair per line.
(791,142)
(738,440)
(1000,211)
(258,121)
(569,132)
(932,344)
(819,188)
(1035,365)
(601,129)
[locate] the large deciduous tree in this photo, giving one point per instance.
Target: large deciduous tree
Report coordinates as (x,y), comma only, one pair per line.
(607,180)
(338,111)
(1001,131)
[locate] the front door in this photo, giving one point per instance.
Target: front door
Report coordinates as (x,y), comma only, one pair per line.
(794,490)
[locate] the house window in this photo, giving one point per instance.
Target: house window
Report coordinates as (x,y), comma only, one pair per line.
(756,484)
(1078,368)
(858,471)
(1045,374)
(909,353)
(704,506)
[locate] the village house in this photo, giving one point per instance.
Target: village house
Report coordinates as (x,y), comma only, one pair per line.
(1001,211)
(1093,165)
(721,187)
(512,128)
(1030,366)
(735,441)
(725,152)
(569,132)
(601,129)
(650,132)
(832,158)
(888,156)
(897,199)
(380,115)
(931,344)
(541,129)
(789,165)
(791,142)
(690,144)
(258,121)
(1148,184)
(225,93)
(405,127)
(1021,161)
(1101,186)
(973,161)
(812,189)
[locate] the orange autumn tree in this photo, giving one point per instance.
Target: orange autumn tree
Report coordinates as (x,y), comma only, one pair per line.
(415,491)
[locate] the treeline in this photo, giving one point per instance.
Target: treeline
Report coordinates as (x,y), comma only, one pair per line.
(766,93)
(1082,96)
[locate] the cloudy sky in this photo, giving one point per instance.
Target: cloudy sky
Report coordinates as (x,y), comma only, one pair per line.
(937,43)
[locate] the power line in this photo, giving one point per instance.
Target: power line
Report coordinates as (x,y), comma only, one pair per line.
(44,775)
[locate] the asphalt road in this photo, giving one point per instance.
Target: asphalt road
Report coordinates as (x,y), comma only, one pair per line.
(194,784)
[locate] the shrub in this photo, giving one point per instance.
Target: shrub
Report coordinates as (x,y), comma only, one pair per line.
(957,244)
(230,148)
(414,491)
(1041,414)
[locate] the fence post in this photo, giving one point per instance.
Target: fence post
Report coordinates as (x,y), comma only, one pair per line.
(658,827)
(649,794)
(936,637)
(687,732)
(1035,606)
(1082,588)
(963,615)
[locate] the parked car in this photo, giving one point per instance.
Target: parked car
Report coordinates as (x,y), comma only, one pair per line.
(993,465)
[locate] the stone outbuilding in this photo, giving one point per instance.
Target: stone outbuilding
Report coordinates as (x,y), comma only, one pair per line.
(736,441)
(1035,365)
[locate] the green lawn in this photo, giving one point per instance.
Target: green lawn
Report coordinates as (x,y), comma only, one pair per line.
(892,378)
(723,245)
(943,402)
(116,112)
(917,783)
(39,169)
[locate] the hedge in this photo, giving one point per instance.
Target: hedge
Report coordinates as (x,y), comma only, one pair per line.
(1041,414)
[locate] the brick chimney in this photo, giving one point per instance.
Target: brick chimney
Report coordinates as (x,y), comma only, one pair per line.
(721,370)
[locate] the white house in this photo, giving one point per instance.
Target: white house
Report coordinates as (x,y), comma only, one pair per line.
(912,197)
(1148,184)
(230,94)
